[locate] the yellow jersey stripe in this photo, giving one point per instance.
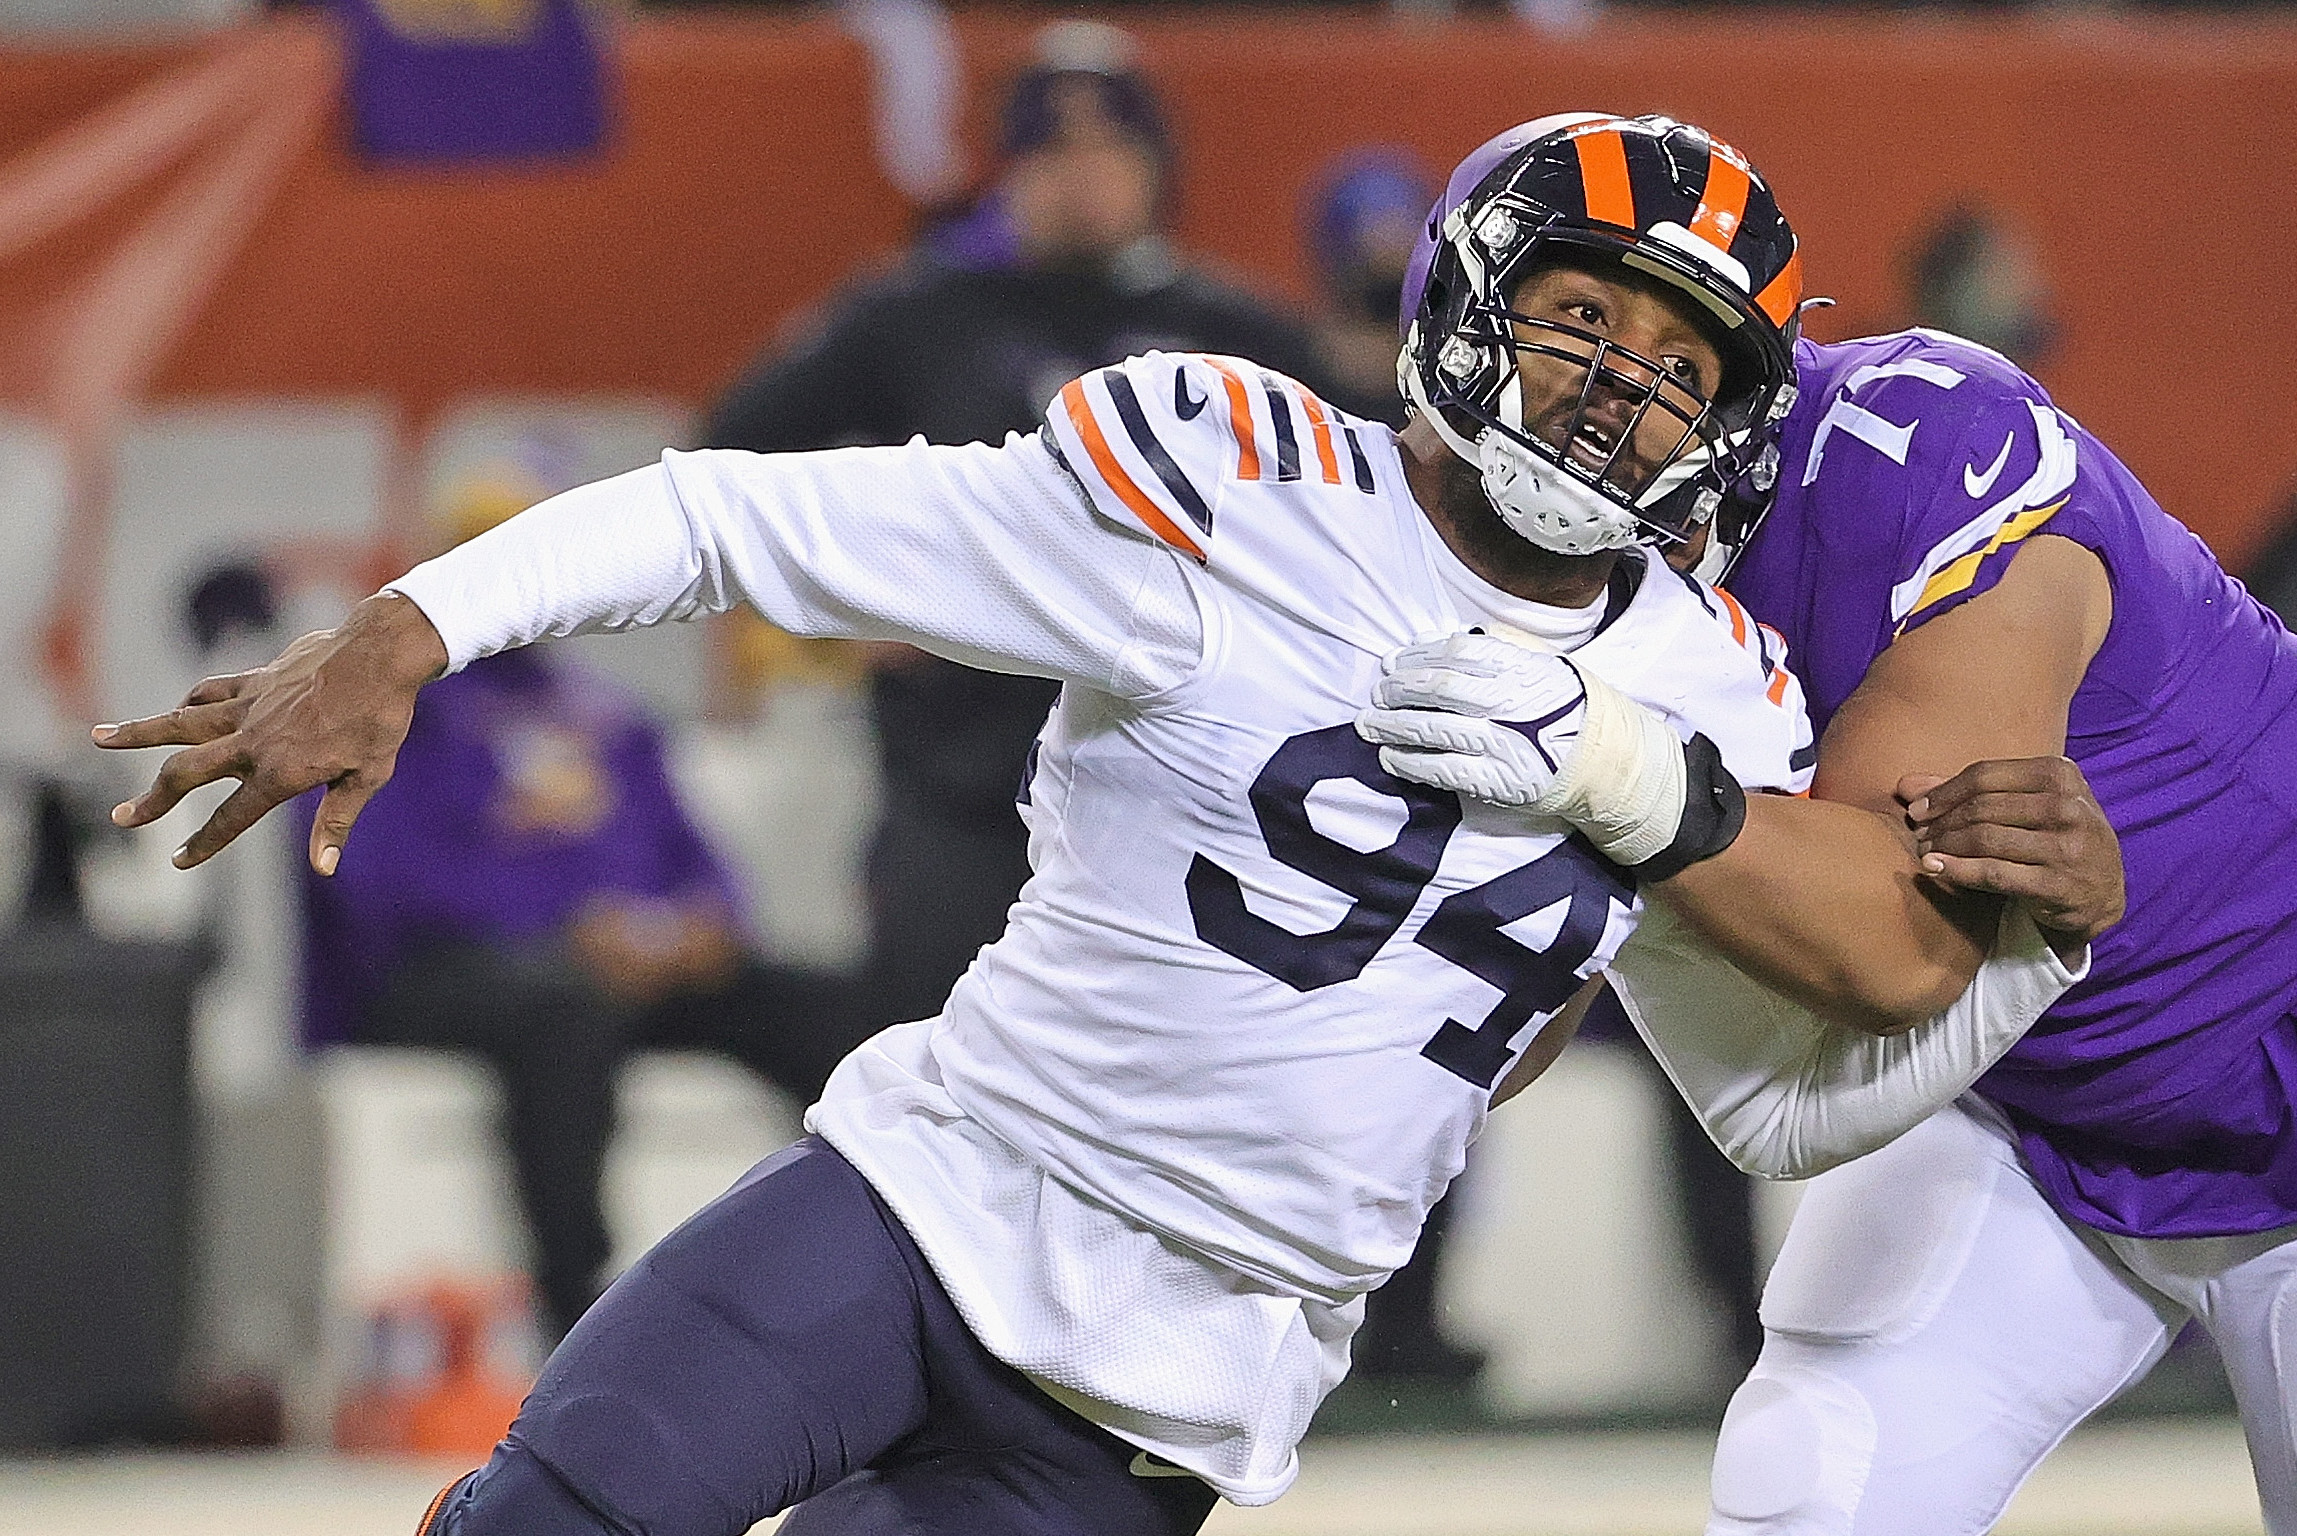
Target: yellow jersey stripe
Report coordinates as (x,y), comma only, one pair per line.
(1957,576)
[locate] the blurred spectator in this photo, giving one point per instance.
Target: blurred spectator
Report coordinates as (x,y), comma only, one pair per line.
(528,888)
(1059,268)
(1976,275)
(59,829)
(1361,224)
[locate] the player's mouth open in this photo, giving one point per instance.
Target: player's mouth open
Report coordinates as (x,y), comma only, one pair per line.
(1593,445)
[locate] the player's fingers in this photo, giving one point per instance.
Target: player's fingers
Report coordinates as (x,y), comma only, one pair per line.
(2007,775)
(1451,771)
(1433,688)
(339,808)
(182,773)
(1423,730)
(2040,812)
(187,725)
(1913,786)
(1480,655)
(1421,656)
(214,690)
(1987,840)
(2002,877)
(241,809)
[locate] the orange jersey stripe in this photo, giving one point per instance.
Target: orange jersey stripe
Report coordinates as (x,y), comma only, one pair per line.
(438,1503)
(1723,201)
(1784,293)
(1778,688)
(1081,417)
(1738,617)
(1603,171)
(1239,420)
(1321,429)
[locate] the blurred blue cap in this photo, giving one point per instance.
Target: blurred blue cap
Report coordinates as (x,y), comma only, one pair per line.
(1365,191)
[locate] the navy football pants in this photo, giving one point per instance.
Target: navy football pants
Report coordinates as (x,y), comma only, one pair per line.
(790,1344)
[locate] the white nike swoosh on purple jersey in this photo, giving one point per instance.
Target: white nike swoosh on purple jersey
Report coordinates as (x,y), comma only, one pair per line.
(1978,485)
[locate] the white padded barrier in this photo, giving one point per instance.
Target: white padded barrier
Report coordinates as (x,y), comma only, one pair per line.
(418,1182)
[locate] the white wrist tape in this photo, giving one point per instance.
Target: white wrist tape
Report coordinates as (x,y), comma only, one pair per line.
(1625,784)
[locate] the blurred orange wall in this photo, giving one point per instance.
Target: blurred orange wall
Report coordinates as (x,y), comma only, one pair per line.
(2151,159)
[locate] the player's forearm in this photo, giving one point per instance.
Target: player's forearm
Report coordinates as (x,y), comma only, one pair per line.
(1824,903)
(612,555)
(1785,1093)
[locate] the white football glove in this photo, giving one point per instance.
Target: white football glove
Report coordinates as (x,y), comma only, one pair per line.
(1525,728)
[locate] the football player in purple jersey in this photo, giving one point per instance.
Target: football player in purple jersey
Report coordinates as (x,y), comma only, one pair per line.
(2001,633)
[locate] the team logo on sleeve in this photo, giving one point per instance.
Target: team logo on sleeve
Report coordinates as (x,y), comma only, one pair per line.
(1979,484)
(1183,406)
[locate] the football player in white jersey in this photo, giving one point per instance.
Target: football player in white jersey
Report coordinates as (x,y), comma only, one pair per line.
(1088,1247)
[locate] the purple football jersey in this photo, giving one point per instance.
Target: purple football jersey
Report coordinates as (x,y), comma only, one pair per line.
(2154,1099)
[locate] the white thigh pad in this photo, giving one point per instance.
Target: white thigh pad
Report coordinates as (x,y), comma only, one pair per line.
(1876,1244)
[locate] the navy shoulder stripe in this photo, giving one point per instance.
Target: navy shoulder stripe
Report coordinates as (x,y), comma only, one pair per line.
(1363,465)
(1137,428)
(1287,443)
(1697,590)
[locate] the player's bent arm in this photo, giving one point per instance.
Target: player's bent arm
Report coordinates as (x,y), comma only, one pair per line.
(1825,899)
(1784,1093)
(1824,903)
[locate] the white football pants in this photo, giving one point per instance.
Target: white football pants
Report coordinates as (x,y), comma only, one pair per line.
(1933,1328)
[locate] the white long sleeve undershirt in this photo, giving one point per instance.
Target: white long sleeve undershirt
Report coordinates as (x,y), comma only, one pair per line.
(985,555)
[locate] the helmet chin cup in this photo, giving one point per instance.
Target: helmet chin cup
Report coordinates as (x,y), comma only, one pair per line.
(1545,504)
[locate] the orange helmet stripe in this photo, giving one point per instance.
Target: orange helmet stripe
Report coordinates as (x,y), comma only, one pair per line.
(1603,171)
(1723,201)
(1783,295)
(1239,420)
(1080,412)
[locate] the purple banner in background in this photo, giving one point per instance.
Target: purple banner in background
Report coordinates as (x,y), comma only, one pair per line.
(474,80)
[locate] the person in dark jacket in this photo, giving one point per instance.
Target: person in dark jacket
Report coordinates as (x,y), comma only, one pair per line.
(1360,223)
(1059,268)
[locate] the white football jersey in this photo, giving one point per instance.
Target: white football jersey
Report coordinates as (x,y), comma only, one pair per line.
(1248,1012)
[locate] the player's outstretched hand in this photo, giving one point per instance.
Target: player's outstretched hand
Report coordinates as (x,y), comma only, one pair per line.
(331,710)
(2026,827)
